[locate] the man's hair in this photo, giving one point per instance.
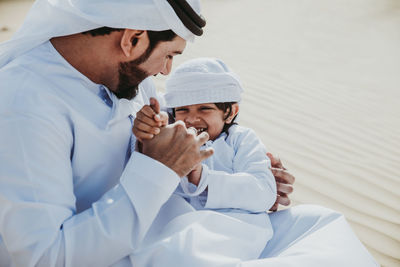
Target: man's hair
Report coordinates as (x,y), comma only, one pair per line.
(102,31)
(224,106)
(155,37)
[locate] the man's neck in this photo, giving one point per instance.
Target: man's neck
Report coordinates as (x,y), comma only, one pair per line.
(91,56)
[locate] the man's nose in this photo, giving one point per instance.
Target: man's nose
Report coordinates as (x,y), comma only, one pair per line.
(167,68)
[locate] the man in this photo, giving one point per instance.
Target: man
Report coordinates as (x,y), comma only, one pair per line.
(72,191)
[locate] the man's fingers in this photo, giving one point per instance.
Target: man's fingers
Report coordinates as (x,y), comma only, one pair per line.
(203,137)
(284,188)
(206,153)
(192,131)
(284,200)
(275,161)
(275,206)
(283,175)
(155,105)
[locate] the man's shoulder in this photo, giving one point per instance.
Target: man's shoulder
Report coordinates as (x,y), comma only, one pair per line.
(32,79)
(19,84)
(25,92)
(32,67)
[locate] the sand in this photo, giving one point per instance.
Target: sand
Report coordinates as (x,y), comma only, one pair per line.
(322,90)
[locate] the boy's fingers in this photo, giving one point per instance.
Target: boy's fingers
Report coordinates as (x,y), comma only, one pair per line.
(146,111)
(143,127)
(155,105)
(163,118)
(142,135)
(146,120)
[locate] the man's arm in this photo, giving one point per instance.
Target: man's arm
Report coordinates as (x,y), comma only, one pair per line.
(38,220)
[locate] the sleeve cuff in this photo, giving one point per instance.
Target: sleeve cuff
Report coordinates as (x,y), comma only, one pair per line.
(148,182)
(187,187)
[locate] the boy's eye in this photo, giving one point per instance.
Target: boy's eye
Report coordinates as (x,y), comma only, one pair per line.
(206,108)
(181,110)
(170,57)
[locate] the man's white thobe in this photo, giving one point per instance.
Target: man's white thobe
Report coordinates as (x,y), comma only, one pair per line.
(65,192)
(70,195)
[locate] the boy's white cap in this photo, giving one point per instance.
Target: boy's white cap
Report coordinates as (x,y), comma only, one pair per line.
(202,80)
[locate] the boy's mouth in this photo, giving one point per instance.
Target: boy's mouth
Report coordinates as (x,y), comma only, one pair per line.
(200,130)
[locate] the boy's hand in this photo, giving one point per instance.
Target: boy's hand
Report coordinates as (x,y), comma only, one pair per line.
(149,120)
(195,175)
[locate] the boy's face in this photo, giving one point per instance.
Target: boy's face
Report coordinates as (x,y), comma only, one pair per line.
(203,117)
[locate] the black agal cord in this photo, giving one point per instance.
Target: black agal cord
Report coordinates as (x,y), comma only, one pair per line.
(192,21)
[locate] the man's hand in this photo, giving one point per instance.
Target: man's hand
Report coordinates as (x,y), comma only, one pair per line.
(178,147)
(284,182)
(149,120)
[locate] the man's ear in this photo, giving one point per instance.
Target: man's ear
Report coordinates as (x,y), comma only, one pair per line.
(234,112)
(134,43)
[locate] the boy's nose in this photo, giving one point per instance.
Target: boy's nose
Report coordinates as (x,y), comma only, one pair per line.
(191,119)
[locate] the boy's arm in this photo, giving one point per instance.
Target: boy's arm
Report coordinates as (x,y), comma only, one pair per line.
(251,187)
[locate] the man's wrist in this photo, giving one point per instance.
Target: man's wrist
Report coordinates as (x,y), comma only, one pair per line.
(142,169)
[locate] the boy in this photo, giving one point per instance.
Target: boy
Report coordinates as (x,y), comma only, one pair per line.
(236,181)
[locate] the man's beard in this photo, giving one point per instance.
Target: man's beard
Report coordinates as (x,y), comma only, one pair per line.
(131,75)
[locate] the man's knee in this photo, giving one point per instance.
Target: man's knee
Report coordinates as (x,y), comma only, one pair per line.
(303,218)
(293,224)
(315,211)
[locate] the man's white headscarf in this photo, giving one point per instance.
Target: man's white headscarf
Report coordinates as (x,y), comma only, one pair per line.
(53,18)
(202,80)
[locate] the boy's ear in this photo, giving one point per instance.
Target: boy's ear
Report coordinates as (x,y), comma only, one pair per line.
(134,43)
(234,112)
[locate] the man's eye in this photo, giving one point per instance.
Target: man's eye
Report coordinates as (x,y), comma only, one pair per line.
(180,110)
(170,57)
(206,108)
